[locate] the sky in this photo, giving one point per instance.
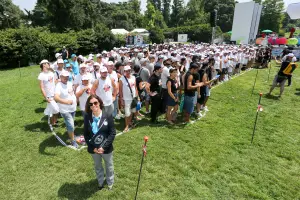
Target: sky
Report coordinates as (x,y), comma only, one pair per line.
(29,4)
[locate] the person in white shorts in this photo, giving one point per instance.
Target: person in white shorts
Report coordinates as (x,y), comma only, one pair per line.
(83,92)
(47,86)
(128,92)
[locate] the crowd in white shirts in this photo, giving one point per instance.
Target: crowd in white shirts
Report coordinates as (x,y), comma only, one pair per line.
(163,78)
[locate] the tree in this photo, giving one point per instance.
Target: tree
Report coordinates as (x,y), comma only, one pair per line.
(272,15)
(166,11)
(10,14)
(225,9)
(153,18)
(177,14)
(194,13)
(156,4)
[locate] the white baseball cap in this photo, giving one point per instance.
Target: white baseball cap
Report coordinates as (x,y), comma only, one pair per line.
(103,69)
(109,63)
(44,61)
(290,55)
(127,67)
(60,61)
(64,73)
(57,55)
(97,64)
(82,65)
(85,78)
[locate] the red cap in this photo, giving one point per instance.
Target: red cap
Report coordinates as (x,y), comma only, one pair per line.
(260,94)
(146,138)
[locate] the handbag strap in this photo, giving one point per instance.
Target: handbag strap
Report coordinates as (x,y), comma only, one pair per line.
(129,86)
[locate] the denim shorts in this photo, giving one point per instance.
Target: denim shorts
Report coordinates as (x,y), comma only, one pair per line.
(69,121)
(189,104)
(171,101)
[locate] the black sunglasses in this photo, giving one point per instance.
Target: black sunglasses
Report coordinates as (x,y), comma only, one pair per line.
(94,103)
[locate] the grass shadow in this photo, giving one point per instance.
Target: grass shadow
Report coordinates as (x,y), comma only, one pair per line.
(39,110)
(297,93)
(269,96)
(38,127)
(297,89)
(49,142)
(79,191)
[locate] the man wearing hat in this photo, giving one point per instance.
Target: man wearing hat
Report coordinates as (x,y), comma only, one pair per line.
(55,65)
(78,77)
(164,77)
(114,76)
(285,72)
(106,89)
(75,65)
(154,90)
(83,92)
(128,94)
(47,86)
(60,65)
(66,100)
(150,64)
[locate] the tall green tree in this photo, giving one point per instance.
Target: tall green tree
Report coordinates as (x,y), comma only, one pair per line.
(177,15)
(10,14)
(194,13)
(157,4)
(272,15)
(166,11)
(225,10)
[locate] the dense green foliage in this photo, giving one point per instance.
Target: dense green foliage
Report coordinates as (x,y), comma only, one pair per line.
(31,45)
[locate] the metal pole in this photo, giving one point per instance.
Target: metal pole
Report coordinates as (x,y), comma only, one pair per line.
(269,71)
(258,108)
(254,82)
(20,68)
(143,155)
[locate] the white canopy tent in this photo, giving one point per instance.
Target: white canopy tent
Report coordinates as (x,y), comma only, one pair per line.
(141,31)
(293,10)
(120,31)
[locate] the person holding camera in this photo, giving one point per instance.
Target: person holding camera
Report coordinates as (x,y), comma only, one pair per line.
(99,134)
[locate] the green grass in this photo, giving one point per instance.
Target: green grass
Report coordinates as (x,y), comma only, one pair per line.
(212,159)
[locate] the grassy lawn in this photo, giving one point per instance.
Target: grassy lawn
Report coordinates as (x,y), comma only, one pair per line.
(211,159)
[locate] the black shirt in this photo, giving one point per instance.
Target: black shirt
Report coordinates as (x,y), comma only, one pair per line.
(154,83)
(284,65)
(174,87)
(187,92)
(138,80)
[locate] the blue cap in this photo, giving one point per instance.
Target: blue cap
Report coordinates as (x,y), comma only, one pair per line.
(73,56)
(68,65)
(157,66)
(66,61)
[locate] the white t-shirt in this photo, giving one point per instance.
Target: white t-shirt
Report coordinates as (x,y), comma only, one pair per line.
(217,63)
(57,74)
(83,98)
(126,91)
(104,91)
(164,77)
(65,91)
(78,77)
(48,82)
(95,75)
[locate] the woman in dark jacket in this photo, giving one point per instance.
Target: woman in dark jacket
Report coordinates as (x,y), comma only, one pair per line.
(99,134)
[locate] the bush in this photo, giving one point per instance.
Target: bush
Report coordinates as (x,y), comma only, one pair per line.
(31,45)
(200,33)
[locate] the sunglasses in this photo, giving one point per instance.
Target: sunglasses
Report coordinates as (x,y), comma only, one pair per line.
(96,103)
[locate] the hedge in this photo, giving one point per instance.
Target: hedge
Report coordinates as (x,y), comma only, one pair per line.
(31,45)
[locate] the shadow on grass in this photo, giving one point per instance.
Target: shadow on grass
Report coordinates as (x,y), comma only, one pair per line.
(269,96)
(49,142)
(39,110)
(79,191)
(297,93)
(38,127)
(298,89)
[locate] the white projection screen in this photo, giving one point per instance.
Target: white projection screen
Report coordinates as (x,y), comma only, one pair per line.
(245,22)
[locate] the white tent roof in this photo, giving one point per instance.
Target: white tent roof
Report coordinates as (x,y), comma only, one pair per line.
(294,10)
(139,30)
(119,31)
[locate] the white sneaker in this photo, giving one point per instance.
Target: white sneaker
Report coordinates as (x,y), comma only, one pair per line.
(206,109)
(199,114)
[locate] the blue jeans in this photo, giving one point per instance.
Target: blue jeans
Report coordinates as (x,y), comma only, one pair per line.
(116,105)
(69,121)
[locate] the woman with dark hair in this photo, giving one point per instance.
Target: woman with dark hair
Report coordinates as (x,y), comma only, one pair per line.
(99,134)
(172,101)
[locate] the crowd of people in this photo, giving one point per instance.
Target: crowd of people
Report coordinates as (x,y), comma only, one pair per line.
(163,78)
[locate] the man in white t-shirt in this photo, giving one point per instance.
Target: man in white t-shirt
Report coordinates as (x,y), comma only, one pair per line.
(60,68)
(66,100)
(106,89)
(83,71)
(128,92)
(55,64)
(47,86)
(83,92)
(164,77)
(113,75)
(96,73)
